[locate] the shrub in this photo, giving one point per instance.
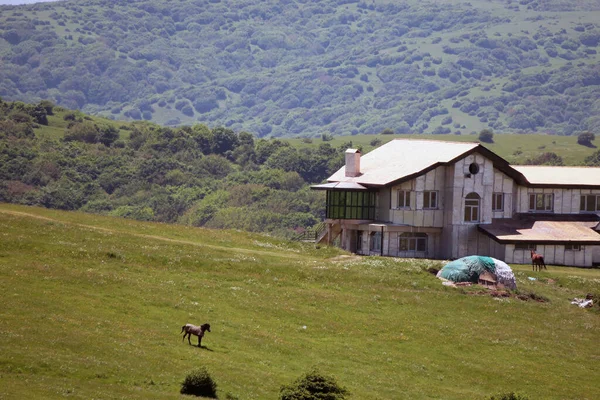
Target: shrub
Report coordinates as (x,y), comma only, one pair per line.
(486,136)
(509,396)
(199,383)
(586,138)
(313,386)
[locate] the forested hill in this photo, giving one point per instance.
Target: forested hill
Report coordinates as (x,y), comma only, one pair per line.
(291,68)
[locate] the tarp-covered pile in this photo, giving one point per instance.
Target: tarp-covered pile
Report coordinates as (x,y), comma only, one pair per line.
(468,269)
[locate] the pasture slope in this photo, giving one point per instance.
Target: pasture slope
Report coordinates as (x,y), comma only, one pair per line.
(92,307)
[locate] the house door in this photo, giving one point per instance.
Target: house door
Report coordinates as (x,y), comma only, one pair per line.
(596,255)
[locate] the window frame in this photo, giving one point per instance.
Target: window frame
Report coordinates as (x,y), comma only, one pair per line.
(584,203)
(573,247)
(534,201)
(372,241)
(409,242)
(470,208)
(495,197)
(405,195)
(428,195)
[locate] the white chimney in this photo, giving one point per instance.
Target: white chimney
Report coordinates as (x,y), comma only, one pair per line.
(352,162)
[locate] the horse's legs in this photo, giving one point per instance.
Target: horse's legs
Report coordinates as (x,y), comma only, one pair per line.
(199,341)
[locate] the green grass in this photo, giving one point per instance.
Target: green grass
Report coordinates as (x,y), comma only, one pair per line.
(506,146)
(92,307)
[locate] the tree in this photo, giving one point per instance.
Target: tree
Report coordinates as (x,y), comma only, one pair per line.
(593,160)
(586,138)
(486,136)
(547,158)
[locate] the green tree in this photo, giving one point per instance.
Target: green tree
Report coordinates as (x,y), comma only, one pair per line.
(486,136)
(593,160)
(586,139)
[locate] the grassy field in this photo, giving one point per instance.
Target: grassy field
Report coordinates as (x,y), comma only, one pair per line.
(514,148)
(92,307)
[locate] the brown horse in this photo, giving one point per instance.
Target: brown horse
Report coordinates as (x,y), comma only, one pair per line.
(537,260)
(190,330)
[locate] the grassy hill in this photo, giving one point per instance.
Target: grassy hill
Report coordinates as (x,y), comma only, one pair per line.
(305,68)
(93,307)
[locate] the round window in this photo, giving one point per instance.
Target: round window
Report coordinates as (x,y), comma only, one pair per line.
(474,168)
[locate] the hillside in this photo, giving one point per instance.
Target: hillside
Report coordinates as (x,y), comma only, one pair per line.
(305,68)
(194,175)
(93,307)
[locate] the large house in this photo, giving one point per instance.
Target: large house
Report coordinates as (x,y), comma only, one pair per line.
(446,200)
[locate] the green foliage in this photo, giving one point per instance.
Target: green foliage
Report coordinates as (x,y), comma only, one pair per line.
(128,59)
(586,139)
(313,386)
(199,383)
(547,158)
(486,136)
(593,160)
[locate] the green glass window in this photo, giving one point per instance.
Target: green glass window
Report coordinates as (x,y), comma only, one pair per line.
(350,205)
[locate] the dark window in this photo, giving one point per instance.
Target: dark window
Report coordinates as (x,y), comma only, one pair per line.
(541,202)
(430,199)
(573,247)
(350,205)
(590,202)
(403,199)
(413,242)
(474,168)
(472,201)
(359,240)
(375,241)
(525,246)
(498,202)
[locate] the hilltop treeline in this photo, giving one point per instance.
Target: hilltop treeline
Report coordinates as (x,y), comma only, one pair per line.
(190,175)
(311,67)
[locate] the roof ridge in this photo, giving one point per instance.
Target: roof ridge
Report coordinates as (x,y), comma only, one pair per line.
(436,140)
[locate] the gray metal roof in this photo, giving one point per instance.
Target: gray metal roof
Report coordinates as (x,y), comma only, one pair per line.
(560,176)
(401,158)
(545,231)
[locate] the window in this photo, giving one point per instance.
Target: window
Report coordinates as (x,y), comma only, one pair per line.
(541,202)
(474,168)
(403,199)
(413,242)
(375,241)
(573,247)
(498,202)
(430,199)
(525,246)
(350,205)
(472,207)
(359,240)
(590,202)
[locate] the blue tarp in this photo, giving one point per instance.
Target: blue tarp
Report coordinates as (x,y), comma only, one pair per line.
(467,269)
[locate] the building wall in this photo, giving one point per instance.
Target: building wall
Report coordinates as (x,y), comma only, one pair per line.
(553,255)
(566,201)
(415,215)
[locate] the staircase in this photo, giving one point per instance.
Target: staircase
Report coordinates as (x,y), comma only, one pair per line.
(312,234)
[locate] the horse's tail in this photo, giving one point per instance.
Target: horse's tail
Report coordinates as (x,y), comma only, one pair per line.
(182,329)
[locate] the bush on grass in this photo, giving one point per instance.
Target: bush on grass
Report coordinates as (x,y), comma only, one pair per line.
(313,386)
(199,383)
(509,396)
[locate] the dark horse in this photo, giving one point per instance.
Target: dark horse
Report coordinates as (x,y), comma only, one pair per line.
(537,260)
(190,330)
